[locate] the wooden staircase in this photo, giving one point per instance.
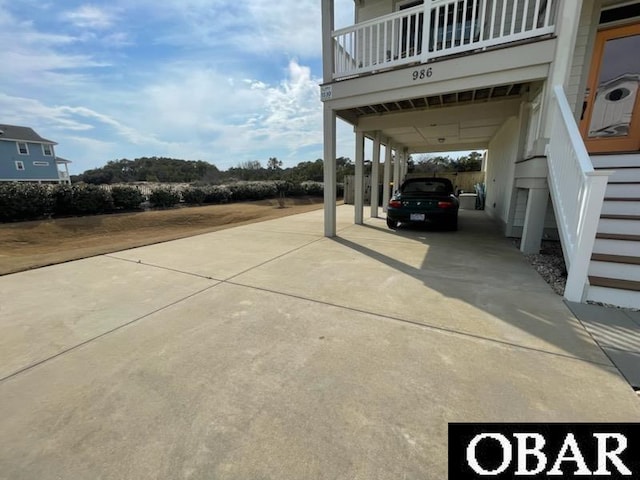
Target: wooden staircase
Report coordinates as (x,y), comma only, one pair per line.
(614,271)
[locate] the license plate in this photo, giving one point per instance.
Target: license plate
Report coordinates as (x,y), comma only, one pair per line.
(416,217)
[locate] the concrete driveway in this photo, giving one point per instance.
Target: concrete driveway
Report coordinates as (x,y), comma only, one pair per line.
(270,352)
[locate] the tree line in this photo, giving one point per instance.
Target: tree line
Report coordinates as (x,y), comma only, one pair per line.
(173,170)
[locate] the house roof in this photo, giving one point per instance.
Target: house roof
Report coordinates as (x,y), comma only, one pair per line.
(23,134)
(60,160)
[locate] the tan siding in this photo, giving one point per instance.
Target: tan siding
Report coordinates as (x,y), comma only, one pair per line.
(521,207)
(372,9)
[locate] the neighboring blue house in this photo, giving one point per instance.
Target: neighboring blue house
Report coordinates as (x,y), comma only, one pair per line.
(27,157)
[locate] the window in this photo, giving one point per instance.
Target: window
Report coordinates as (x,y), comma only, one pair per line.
(40,164)
(19,166)
(47,151)
(23,148)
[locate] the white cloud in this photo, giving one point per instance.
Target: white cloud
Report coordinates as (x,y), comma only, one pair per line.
(90,17)
(196,101)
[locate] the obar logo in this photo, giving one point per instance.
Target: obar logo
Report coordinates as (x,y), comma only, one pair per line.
(556,450)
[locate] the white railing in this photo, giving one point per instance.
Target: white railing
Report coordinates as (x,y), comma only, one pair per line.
(577,191)
(454,26)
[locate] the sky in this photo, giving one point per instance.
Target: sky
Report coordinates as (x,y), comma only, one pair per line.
(224,81)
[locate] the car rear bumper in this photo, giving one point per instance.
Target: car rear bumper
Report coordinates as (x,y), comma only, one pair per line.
(429,217)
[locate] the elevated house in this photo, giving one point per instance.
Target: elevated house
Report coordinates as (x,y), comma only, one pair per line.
(27,157)
(548,87)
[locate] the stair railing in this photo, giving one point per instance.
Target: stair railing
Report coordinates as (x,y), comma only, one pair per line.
(577,191)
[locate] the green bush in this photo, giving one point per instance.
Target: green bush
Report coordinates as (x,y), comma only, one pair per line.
(217,194)
(243,191)
(315,189)
(63,200)
(82,199)
(194,195)
(164,198)
(24,201)
(126,198)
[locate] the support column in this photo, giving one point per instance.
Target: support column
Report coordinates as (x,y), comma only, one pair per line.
(329,121)
(534,220)
(359,180)
(387,176)
(396,169)
(329,172)
(375,176)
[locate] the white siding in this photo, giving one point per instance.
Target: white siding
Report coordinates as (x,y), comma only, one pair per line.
(582,55)
(502,155)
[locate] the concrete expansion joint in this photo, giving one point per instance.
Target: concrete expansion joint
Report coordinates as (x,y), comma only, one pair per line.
(426,326)
(104,334)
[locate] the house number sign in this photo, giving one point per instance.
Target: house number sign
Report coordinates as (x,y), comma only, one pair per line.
(422,73)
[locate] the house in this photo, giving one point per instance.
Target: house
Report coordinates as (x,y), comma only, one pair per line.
(27,157)
(548,87)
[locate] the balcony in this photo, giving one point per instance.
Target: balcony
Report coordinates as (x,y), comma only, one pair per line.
(454,27)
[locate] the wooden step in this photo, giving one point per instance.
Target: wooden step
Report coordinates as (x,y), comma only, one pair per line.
(604,257)
(618,225)
(612,162)
(618,236)
(622,190)
(620,217)
(622,199)
(622,207)
(615,283)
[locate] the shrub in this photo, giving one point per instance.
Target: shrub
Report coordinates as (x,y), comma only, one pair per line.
(90,199)
(315,189)
(126,198)
(63,200)
(24,201)
(253,190)
(194,196)
(217,194)
(164,198)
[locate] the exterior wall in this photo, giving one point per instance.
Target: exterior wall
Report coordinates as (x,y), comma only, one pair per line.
(502,155)
(9,155)
(520,209)
(582,55)
(373,9)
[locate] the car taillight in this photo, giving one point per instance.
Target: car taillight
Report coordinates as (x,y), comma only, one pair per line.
(445,205)
(395,204)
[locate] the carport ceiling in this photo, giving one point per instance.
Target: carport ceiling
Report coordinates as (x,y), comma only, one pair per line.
(458,121)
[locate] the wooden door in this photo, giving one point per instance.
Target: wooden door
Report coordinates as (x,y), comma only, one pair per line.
(611,114)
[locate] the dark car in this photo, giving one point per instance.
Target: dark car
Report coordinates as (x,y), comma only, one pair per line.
(424,200)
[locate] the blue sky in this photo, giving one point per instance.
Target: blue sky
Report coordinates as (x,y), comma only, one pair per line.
(223,81)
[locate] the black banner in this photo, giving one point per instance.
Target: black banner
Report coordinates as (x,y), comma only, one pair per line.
(544,450)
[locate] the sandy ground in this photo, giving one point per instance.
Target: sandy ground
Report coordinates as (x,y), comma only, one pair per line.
(28,245)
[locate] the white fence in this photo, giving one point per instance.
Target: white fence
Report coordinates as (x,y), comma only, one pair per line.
(454,26)
(577,191)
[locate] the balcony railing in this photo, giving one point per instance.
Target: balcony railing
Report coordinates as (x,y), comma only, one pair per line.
(454,26)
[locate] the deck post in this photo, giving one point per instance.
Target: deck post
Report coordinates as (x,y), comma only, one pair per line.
(359,180)
(375,175)
(387,175)
(534,220)
(329,122)
(329,171)
(396,169)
